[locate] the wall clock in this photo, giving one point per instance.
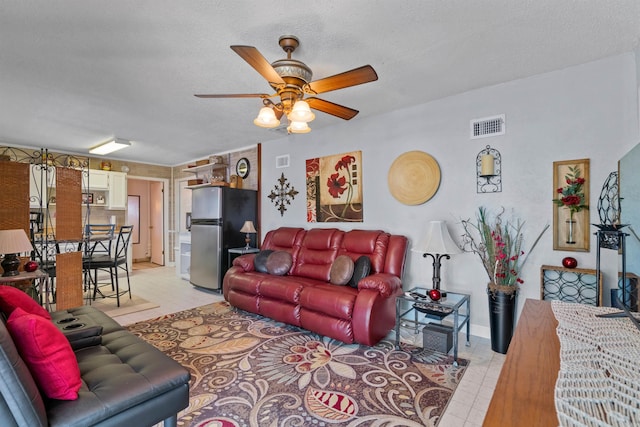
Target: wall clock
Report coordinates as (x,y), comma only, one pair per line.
(242,167)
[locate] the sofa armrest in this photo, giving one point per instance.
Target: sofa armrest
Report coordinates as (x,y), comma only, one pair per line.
(386,284)
(245,262)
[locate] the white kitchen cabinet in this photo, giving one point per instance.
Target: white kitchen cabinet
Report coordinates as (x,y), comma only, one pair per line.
(110,185)
(117,191)
(98,180)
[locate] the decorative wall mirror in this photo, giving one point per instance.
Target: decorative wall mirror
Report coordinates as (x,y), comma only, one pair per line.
(243,167)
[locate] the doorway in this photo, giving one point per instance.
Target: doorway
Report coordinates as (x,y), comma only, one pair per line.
(147,209)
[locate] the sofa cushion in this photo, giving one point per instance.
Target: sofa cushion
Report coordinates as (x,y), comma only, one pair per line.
(11,298)
(361,269)
(331,301)
(372,243)
(279,263)
(318,250)
(283,237)
(260,261)
(341,270)
(47,353)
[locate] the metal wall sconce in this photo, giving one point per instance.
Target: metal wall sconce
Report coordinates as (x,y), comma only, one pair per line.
(489,171)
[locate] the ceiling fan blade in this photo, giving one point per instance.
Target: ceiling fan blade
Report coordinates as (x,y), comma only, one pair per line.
(259,63)
(331,108)
(234,95)
(357,76)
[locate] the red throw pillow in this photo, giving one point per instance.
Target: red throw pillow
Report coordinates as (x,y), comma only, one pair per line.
(47,353)
(12,298)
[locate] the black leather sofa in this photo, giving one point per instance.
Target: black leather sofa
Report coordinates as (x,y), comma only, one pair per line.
(125,381)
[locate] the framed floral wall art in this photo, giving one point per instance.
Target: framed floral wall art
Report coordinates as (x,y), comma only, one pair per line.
(334,188)
(571,205)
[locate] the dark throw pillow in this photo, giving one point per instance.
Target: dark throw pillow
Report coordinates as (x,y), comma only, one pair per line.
(260,261)
(361,269)
(279,263)
(341,270)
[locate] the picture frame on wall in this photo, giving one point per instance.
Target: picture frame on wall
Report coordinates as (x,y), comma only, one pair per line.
(571,182)
(87,198)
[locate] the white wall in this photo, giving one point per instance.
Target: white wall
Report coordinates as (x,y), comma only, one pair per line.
(588,111)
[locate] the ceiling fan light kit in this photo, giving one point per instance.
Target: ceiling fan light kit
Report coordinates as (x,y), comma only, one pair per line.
(266,118)
(291,79)
(298,127)
(301,112)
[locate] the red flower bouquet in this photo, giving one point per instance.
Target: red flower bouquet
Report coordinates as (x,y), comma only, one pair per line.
(571,196)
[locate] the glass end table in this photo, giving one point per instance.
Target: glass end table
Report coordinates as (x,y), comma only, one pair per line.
(455,307)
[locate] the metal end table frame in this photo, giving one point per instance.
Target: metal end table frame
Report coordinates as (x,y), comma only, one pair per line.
(454,300)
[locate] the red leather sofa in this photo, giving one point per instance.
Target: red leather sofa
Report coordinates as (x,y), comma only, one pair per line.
(305,297)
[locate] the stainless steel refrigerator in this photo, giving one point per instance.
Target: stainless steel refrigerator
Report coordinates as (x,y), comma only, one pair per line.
(217,215)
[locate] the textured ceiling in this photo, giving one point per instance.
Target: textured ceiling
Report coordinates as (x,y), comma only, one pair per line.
(75,72)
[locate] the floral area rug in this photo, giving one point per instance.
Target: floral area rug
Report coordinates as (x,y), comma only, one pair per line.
(247,370)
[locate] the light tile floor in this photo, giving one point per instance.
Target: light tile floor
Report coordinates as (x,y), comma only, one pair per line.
(466,409)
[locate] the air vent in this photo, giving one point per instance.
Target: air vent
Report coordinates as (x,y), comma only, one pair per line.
(489,126)
(282,161)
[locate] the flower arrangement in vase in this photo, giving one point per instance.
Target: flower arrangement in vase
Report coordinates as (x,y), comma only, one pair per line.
(498,243)
(572,197)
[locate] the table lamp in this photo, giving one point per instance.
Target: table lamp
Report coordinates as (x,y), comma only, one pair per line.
(12,243)
(437,244)
(249,229)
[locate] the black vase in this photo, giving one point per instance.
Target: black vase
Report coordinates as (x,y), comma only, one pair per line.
(502,315)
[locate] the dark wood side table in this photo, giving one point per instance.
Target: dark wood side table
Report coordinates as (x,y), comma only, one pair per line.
(236,252)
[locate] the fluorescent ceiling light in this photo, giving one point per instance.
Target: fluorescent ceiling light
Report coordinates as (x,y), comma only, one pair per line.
(110,146)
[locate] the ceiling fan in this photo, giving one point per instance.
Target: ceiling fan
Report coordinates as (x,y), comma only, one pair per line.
(291,80)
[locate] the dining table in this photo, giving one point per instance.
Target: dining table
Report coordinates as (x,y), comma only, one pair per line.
(47,248)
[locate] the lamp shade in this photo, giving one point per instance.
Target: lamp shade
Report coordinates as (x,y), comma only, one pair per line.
(301,112)
(14,242)
(266,118)
(248,227)
(437,240)
(299,127)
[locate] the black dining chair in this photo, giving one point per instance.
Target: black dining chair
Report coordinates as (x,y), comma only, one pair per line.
(99,238)
(111,263)
(45,249)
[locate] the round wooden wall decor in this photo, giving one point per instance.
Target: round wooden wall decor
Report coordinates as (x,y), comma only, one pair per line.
(414,177)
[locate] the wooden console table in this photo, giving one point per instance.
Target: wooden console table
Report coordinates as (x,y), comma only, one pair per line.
(525,389)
